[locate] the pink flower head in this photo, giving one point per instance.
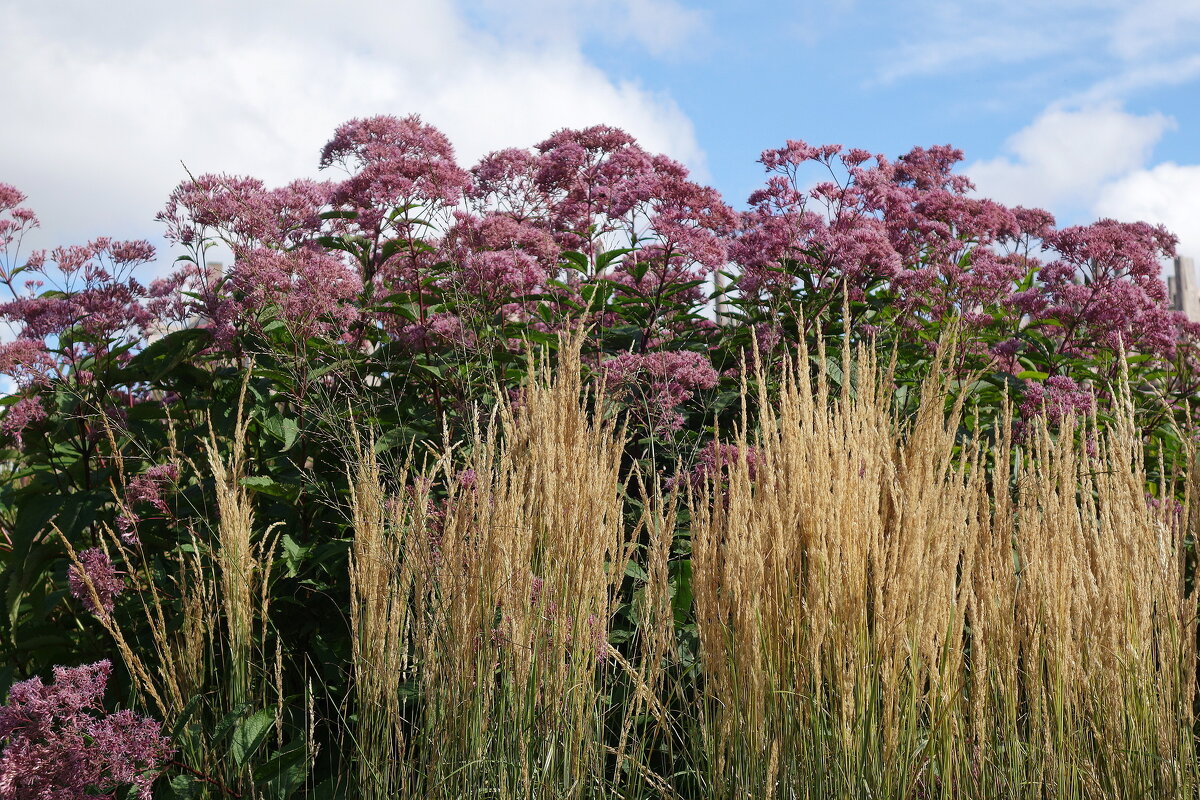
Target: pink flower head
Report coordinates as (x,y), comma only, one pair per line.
(58,744)
(243,212)
(660,382)
(687,218)
(716,457)
(308,288)
(909,225)
(594,177)
(1121,299)
(1057,398)
(928,169)
(147,487)
(95,296)
(468,479)
(500,256)
(99,571)
(127,526)
(506,182)
(15,220)
(393,163)
(20,416)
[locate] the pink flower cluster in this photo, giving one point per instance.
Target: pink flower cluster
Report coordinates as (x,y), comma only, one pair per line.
(1057,398)
(95,292)
(393,163)
(501,257)
(909,223)
(406,210)
(244,212)
(58,744)
(145,489)
(20,416)
(73,305)
(105,580)
(308,288)
(913,226)
(409,248)
(1104,288)
(15,221)
(715,457)
(658,383)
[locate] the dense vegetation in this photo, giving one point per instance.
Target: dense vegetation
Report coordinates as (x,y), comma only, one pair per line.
(558,477)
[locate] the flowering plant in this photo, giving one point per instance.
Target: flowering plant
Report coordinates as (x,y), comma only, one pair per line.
(405,295)
(56,742)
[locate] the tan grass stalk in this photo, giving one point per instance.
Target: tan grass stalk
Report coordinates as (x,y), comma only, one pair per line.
(385,559)
(892,609)
(523,581)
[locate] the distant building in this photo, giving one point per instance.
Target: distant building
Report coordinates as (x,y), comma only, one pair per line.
(1183,289)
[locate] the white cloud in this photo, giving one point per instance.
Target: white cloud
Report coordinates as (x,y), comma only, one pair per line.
(665,28)
(1094,163)
(1107,40)
(1146,27)
(1063,157)
(103,101)
(1168,194)
(1126,83)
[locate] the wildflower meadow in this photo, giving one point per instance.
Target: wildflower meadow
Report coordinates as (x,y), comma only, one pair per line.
(558,476)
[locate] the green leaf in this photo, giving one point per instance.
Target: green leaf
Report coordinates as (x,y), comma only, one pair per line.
(181,787)
(432,369)
(293,554)
(266,485)
(283,428)
(608,256)
(162,356)
(250,734)
(284,771)
(634,570)
(575,260)
(681,589)
(1033,375)
(186,715)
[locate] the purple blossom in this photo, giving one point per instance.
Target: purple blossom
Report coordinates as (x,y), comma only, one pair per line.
(308,288)
(243,212)
(500,256)
(147,487)
(94,295)
(20,416)
(468,479)
(15,221)
(716,457)
(99,571)
(58,744)
(1057,398)
(393,163)
(909,223)
(662,381)
(1122,302)
(127,526)
(505,182)
(27,361)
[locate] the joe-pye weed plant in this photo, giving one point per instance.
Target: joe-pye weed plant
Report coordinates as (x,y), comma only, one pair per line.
(329,531)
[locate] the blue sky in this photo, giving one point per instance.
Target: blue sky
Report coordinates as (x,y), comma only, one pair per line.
(1087,108)
(1118,83)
